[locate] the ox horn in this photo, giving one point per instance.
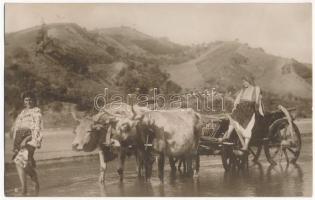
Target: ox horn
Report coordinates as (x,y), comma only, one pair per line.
(114,115)
(100,116)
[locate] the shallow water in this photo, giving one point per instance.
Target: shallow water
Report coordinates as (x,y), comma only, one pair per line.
(80,178)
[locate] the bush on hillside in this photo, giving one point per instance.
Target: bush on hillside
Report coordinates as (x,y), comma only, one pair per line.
(21,54)
(145,77)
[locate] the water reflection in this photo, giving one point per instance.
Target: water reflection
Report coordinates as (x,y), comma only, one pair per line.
(278,180)
(289,179)
(257,180)
(121,188)
(257,169)
(196,186)
(260,179)
(288,170)
(102,190)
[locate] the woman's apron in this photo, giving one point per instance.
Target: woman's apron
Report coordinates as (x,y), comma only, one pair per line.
(244,114)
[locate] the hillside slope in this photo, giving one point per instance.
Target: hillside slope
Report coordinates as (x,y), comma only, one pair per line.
(67,63)
(187,74)
(224,63)
(133,41)
(64,62)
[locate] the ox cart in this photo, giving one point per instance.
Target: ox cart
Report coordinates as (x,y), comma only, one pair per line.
(275,132)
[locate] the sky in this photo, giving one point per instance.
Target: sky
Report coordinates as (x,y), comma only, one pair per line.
(280,29)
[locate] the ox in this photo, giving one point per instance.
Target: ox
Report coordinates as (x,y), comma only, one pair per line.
(98,133)
(172,133)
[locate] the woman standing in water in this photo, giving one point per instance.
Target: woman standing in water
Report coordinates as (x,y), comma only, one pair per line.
(27,137)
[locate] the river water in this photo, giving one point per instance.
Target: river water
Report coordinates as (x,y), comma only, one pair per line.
(80,178)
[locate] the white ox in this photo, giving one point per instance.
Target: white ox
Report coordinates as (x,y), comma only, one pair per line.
(172,133)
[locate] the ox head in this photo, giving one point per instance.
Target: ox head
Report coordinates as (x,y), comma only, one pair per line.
(88,134)
(126,127)
(92,131)
(125,131)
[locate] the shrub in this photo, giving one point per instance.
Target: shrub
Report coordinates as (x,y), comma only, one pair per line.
(21,53)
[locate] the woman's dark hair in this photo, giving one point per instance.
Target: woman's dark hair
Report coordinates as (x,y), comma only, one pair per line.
(30,95)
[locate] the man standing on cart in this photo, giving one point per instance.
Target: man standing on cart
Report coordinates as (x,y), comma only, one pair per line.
(247,109)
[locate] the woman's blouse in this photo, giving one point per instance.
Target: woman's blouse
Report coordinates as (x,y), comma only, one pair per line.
(30,119)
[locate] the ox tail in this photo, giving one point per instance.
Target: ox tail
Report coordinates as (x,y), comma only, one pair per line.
(197,123)
(197,128)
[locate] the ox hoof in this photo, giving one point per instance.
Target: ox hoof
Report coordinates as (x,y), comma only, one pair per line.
(120,171)
(161,180)
(36,189)
(173,173)
(255,160)
(196,175)
(101,178)
(121,174)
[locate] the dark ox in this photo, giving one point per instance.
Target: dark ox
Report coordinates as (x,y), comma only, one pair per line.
(172,133)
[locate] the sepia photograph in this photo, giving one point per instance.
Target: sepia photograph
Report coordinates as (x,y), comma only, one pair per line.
(157,100)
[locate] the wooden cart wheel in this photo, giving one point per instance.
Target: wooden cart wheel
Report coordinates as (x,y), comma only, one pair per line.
(282,144)
(227,157)
(241,162)
(254,152)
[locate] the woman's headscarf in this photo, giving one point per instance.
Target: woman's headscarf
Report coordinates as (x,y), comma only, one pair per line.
(250,79)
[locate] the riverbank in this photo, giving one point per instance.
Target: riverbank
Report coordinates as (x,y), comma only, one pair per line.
(56,146)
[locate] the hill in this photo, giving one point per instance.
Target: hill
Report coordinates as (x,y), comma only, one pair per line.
(64,62)
(224,63)
(67,63)
(132,41)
